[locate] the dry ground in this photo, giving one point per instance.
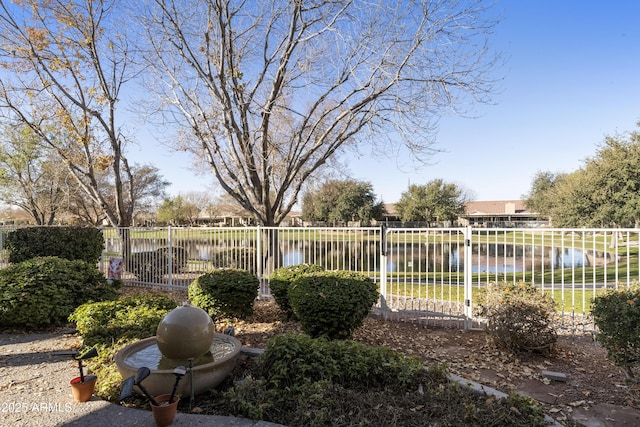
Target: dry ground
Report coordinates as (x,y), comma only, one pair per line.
(592,380)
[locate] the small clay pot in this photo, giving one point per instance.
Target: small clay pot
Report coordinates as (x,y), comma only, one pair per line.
(82,391)
(165,413)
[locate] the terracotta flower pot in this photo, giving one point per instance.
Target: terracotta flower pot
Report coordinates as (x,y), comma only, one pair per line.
(166,412)
(82,391)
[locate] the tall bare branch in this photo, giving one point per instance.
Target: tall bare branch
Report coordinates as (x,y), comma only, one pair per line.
(269,91)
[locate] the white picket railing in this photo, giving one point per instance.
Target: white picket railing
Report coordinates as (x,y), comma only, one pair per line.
(425,275)
(432,274)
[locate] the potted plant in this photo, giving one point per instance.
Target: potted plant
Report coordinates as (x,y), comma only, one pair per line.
(164,406)
(83,386)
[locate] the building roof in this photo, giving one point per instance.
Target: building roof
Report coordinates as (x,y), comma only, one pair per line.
(496,207)
(390,209)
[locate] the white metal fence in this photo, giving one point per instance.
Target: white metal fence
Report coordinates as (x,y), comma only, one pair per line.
(256,249)
(425,275)
(432,275)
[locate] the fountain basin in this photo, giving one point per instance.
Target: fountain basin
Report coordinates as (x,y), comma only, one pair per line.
(207,373)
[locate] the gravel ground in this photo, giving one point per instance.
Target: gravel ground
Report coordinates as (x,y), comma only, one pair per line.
(35,391)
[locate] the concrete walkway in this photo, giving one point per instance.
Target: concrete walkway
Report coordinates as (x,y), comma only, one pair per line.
(104,414)
(35,391)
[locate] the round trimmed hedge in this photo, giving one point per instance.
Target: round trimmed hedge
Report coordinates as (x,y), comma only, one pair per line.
(45,290)
(332,304)
(281,279)
(225,292)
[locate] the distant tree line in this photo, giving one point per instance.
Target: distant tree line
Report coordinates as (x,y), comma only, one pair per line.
(342,201)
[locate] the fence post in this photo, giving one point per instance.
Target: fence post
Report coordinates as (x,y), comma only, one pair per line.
(468,278)
(170,260)
(258,260)
(259,251)
(383,271)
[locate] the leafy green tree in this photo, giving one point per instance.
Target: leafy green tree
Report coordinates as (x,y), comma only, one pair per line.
(342,201)
(435,201)
(605,191)
(616,181)
(541,196)
(573,204)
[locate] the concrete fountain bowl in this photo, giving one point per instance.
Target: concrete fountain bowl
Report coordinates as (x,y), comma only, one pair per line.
(185,337)
(206,375)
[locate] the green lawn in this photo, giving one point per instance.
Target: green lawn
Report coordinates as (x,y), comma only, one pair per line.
(566,300)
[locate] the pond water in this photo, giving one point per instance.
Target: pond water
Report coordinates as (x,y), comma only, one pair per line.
(365,255)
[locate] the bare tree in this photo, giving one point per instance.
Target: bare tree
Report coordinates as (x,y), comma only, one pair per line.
(65,67)
(268,91)
(149,189)
(29,179)
(197,202)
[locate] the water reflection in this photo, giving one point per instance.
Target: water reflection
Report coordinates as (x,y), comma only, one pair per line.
(512,258)
(509,259)
(294,257)
(401,257)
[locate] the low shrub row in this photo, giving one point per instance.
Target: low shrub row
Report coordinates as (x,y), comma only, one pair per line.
(53,271)
(127,318)
(313,382)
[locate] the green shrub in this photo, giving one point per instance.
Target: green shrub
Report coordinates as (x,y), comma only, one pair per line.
(281,280)
(72,243)
(316,382)
(134,317)
(152,266)
(322,404)
(225,292)
(332,304)
(44,291)
(109,383)
(519,316)
(294,359)
(616,314)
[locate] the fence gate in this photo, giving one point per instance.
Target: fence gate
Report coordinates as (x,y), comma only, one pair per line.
(423,276)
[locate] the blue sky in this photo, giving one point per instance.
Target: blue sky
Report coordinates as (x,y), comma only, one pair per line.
(571,77)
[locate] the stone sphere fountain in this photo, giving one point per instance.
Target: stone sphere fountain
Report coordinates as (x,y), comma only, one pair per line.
(185,337)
